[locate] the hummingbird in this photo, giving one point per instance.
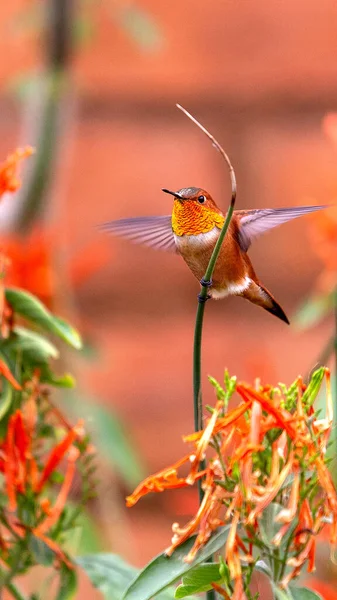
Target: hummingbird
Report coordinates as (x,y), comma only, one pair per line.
(192,231)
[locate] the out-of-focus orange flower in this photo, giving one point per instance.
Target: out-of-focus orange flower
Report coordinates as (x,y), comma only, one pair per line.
(33,262)
(323,231)
(237,491)
(325,589)
(9,181)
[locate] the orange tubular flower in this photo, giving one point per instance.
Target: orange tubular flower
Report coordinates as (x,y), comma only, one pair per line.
(262,449)
(163,480)
(61,499)
(15,449)
(5,371)
(8,170)
(203,444)
(57,455)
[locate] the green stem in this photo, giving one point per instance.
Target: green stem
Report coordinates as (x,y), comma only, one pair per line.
(206,282)
(14,591)
(198,420)
(7,583)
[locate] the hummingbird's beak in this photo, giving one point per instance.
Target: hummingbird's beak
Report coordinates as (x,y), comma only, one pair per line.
(175,194)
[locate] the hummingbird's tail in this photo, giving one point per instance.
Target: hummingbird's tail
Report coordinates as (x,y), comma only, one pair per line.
(259,295)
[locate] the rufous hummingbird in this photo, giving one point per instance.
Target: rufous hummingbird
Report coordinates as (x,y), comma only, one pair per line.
(192,231)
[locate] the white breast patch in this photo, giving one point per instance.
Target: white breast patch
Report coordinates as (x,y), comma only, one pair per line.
(197,241)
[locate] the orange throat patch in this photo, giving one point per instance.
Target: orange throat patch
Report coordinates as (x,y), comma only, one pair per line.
(190,218)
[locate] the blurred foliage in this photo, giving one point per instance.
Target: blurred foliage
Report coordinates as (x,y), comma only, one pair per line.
(108,435)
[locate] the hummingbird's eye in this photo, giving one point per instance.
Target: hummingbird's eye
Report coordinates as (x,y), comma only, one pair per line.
(201,199)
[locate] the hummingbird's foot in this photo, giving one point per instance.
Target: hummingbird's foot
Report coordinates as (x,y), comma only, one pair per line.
(206,282)
(202,299)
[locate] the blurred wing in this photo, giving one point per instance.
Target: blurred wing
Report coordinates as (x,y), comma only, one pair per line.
(254,222)
(150,231)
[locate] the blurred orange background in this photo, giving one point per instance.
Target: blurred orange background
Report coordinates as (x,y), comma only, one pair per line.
(260,76)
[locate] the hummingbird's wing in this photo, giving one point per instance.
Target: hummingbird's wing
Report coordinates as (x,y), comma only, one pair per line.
(150,231)
(254,222)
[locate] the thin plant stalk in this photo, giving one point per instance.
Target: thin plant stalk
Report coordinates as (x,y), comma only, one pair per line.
(15,592)
(206,281)
(202,297)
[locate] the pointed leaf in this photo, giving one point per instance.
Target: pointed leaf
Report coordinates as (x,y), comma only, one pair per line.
(26,305)
(281,594)
(43,555)
(198,580)
(294,593)
(68,583)
(314,386)
(47,376)
(5,398)
(6,395)
(34,347)
(303,593)
(164,571)
(269,527)
(112,575)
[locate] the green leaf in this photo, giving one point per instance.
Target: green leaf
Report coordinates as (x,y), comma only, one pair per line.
(47,376)
(313,311)
(34,347)
(112,575)
(280,594)
(26,305)
(68,583)
(303,593)
(314,386)
(66,332)
(164,571)
(198,580)
(268,527)
(43,555)
(5,397)
(294,593)
(108,436)
(108,572)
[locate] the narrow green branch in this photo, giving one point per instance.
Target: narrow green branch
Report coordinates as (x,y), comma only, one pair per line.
(14,591)
(7,583)
(198,419)
(197,395)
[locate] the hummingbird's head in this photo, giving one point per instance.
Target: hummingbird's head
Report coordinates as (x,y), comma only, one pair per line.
(194,211)
(192,194)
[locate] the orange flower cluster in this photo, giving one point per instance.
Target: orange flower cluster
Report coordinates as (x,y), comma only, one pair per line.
(29,261)
(270,447)
(32,262)
(324,227)
(26,473)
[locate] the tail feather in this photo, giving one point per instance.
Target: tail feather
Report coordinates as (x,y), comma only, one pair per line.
(259,295)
